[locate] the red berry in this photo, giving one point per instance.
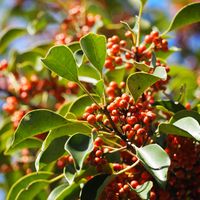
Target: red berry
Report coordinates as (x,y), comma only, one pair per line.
(91,119)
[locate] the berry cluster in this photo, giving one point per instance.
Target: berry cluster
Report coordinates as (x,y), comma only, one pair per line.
(134,120)
(120,52)
(76,25)
(184,173)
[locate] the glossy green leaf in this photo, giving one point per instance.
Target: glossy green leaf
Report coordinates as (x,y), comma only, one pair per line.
(57,191)
(79,105)
(143,191)
(94,47)
(138,82)
(156,161)
(60,60)
(27,143)
(184,123)
(90,189)
(64,192)
(53,145)
(25,182)
(187,15)
(31,191)
(9,35)
(36,122)
(79,146)
(99,87)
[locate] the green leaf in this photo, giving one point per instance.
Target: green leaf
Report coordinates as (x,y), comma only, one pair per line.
(170,105)
(70,173)
(27,143)
(142,66)
(187,15)
(36,122)
(138,82)
(9,35)
(90,189)
(94,47)
(156,161)
(184,123)
(116,75)
(60,60)
(25,182)
(87,73)
(99,87)
(57,191)
(143,191)
(53,145)
(79,146)
(74,46)
(64,192)
(165,54)
(78,106)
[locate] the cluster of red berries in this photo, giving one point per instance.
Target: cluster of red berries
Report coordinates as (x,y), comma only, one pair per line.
(184,172)
(76,25)
(134,120)
(119,52)
(121,187)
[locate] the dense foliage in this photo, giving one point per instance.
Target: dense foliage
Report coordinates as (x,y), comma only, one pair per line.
(97,112)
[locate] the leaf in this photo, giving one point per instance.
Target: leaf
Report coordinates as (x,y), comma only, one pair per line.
(156,161)
(74,46)
(183,123)
(60,60)
(187,15)
(78,106)
(79,146)
(170,105)
(87,73)
(99,87)
(142,66)
(36,122)
(165,54)
(116,75)
(94,47)
(138,82)
(25,182)
(53,145)
(70,173)
(90,189)
(64,192)
(9,35)
(27,143)
(143,191)
(56,191)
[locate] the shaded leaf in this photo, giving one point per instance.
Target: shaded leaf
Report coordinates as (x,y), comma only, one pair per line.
(79,146)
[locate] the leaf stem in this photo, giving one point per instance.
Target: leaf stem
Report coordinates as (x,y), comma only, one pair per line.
(56,178)
(139,25)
